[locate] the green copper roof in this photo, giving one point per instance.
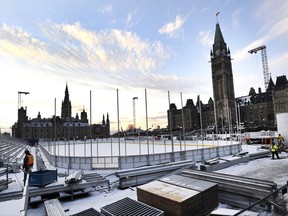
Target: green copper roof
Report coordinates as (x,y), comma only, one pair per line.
(218,39)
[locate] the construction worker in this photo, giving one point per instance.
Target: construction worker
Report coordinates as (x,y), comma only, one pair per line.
(274,151)
(280,142)
(280,139)
(27,164)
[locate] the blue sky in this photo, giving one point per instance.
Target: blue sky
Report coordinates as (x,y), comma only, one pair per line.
(101,46)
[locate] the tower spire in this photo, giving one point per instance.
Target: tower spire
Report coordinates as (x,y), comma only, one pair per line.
(218,39)
(66,105)
(222,80)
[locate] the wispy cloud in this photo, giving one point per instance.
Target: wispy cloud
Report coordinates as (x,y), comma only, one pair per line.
(204,10)
(174,29)
(206,38)
(131,19)
(243,53)
(279,28)
(278,64)
(236,17)
(271,14)
(113,56)
(275,24)
(107,9)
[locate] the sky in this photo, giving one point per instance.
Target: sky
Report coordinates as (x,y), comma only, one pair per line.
(127,47)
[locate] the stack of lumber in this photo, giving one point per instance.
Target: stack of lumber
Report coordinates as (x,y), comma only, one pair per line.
(179,195)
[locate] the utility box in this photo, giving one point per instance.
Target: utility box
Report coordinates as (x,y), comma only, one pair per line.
(42,178)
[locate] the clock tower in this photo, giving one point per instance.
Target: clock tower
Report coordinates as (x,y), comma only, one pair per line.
(222,80)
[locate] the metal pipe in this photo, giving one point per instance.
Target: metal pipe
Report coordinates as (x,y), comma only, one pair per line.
(147,123)
(118,123)
(170,123)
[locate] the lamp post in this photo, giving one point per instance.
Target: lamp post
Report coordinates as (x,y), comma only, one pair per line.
(170,124)
(147,124)
(134,112)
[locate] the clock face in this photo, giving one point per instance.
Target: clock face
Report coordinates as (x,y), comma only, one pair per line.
(217,52)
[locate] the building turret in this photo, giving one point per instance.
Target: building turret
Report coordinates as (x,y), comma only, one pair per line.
(66,105)
(84,117)
(103,120)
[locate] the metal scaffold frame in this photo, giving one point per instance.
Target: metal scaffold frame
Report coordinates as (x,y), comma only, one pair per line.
(264,63)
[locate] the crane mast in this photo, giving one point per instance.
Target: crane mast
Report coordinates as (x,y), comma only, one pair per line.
(20,99)
(264,63)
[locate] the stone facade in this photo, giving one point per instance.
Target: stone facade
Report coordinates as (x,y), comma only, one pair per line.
(254,111)
(59,128)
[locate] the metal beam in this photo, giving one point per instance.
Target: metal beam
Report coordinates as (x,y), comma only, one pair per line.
(264,63)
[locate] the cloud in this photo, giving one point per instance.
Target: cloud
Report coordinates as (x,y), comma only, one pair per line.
(278,63)
(107,9)
(114,57)
(204,10)
(275,24)
(279,28)
(270,14)
(206,38)
(236,17)
(130,20)
(13,37)
(243,53)
(173,29)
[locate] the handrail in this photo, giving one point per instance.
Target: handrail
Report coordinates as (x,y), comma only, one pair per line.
(263,199)
(25,198)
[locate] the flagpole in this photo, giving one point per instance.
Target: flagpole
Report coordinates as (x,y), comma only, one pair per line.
(217,16)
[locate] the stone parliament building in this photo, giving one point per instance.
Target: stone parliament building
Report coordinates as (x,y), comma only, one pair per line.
(59,128)
(256,111)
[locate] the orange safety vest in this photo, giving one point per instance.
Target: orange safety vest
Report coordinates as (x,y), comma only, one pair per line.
(30,160)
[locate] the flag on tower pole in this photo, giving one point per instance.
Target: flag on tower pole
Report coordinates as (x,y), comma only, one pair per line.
(217,16)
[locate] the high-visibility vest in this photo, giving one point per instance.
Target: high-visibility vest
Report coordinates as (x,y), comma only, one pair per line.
(30,160)
(274,148)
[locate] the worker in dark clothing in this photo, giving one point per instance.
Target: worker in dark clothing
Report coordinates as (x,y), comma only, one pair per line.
(274,150)
(27,164)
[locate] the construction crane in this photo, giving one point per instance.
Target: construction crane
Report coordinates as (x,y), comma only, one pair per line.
(20,99)
(264,63)
(134,112)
